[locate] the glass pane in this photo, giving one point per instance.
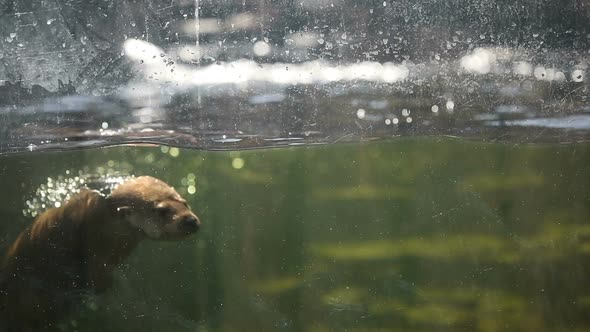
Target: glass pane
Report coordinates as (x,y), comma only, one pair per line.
(459,203)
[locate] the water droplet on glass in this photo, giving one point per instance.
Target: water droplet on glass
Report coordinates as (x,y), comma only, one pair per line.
(578,76)
(360,113)
(540,73)
(450,105)
(559,76)
(261,48)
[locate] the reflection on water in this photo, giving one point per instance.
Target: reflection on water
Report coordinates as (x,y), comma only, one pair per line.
(244,105)
(406,235)
(230,75)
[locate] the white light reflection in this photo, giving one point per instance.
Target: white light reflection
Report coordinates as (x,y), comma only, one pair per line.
(579,122)
(160,67)
(239,71)
(480,61)
(523,68)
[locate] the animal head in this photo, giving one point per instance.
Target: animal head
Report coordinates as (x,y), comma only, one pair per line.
(153,207)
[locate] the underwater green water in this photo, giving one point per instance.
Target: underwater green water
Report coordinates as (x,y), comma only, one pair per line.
(405,235)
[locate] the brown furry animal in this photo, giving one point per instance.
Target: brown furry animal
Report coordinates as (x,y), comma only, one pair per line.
(72,250)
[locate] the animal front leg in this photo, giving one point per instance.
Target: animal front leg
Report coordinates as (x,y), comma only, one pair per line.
(99,276)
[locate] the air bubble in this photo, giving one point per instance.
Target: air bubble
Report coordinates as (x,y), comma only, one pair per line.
(174,152)
(237,163)
(191,190)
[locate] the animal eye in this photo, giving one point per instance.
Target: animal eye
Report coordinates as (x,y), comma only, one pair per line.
(164,211)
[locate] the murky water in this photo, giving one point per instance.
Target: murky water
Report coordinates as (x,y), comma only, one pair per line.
(414,234)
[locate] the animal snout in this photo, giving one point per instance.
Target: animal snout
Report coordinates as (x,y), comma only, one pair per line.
(190,224)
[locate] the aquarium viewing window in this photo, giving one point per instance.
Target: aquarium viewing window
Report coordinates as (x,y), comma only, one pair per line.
(294,165)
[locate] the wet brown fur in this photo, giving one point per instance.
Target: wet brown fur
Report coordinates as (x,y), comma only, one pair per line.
(72,250)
